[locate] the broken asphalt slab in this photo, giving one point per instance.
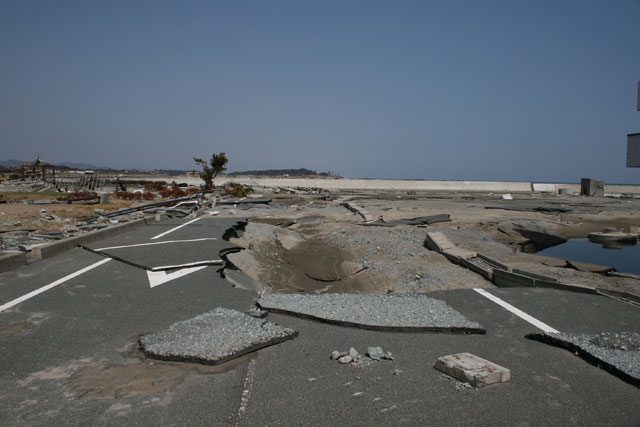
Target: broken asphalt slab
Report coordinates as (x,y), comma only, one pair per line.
(393,312)
(214,337)
(616,352)
(165,255)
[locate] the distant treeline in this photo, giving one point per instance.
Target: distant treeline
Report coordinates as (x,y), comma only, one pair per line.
(281,172)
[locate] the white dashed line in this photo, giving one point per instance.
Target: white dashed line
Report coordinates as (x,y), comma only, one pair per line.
(247,385)
(51,285)
(521,314)
(175,228)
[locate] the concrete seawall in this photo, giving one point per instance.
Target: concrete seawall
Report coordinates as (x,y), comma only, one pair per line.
(402,185)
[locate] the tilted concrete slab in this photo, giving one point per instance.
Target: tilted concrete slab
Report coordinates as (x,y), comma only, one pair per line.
(396,312)
(459,252)
(438,241)
(616,352)
(473,369)
(421,220)
(359,210)
(213,337)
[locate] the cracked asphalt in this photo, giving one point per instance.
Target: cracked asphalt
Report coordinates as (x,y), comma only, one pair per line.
(68,356)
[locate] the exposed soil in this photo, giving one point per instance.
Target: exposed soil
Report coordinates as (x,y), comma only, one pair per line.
(304,247)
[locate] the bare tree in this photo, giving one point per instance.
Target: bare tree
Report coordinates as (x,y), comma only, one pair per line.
(212,168)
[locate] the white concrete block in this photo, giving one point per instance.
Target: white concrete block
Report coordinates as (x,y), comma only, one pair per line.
(473,369)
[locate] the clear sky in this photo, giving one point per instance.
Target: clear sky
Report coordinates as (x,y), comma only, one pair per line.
(481,90)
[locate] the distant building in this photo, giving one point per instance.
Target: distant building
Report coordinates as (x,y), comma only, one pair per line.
(633,144)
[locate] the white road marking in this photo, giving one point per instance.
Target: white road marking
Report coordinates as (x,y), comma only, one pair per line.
(535,322)
(189,264)
(155,243)
(246,392)
(175,228)
(157,278)
(52,285)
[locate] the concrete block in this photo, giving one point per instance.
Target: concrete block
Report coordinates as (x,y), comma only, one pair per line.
(459,252)
(483,269)
(535,276)
(494,263)
(13,260)
(504,279)
(437,241)
(473,369)
(633,150)
(591,187)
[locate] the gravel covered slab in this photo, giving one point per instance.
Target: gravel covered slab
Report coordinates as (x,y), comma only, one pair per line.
(401,312)
(213,337)
(617,352)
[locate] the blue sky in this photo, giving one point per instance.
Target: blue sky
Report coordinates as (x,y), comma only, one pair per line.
(484,90)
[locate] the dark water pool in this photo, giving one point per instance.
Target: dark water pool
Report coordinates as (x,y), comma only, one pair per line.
(623,258)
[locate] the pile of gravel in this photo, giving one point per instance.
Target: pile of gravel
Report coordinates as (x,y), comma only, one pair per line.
(403,312)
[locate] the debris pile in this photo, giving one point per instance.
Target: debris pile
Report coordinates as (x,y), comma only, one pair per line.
(352,357)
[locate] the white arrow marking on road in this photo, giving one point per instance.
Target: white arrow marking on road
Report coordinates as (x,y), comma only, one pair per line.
(157,278)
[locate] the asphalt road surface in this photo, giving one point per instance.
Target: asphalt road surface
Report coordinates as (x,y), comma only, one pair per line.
(68,353)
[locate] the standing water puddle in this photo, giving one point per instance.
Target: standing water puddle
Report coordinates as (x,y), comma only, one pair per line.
(624,258)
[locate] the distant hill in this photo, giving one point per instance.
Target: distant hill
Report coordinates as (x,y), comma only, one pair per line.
(82,166)
(16,163)
(281,172)
(11,163)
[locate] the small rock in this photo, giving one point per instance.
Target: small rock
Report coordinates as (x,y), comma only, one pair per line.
(335,355)
(353,353)
(357,394)
(397,372)
(345,359)
(375,353)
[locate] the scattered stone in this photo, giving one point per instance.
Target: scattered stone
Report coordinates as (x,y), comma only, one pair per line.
(374,354)
(345,359)
(616,352)
(414,312)
(472,369)
(397,371)
(335,355)
(357,394)
(213,337)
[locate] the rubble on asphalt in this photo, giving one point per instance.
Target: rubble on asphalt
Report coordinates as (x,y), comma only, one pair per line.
(352,357)
(214,337)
